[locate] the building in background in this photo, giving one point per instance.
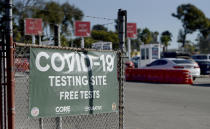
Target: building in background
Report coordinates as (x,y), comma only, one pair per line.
(149,53)
(102,45)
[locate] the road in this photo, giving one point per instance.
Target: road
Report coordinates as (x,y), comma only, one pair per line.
(167,106)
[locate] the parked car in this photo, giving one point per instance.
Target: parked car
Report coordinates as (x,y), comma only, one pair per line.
(176,63)
(203,61)
(175,55)
(201,57)
(135,60)
(204,66)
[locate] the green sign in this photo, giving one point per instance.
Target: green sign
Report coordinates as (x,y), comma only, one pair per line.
(64,82)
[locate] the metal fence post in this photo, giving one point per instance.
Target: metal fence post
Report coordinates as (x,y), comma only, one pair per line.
(122,30)
(1,95)
(10,65)
(3,81)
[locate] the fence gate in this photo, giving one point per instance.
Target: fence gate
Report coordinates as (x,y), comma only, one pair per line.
(111,120)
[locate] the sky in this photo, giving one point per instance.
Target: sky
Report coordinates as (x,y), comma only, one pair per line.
(153,14)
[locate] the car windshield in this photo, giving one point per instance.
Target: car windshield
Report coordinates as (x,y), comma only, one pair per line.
(182,61)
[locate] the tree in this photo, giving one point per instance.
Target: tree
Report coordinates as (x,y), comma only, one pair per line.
(136,42)
(190,47)
(146,36)
(64,41)
(99,27)
(29,3)
(50,12)
(53,14)
(155,37)
(181,37)
(71,14)
(165,39)
(89,41)
(205,31)
(100,35)
(65,15)
(204,43)
(192,19)
(23,9)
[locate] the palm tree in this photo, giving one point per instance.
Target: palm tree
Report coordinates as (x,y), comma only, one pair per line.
(165,39)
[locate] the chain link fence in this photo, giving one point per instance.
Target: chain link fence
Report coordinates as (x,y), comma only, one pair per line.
(22,121)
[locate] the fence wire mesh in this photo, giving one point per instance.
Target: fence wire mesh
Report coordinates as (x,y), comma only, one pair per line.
(98,121)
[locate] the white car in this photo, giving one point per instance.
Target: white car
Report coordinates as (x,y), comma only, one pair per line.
(175,63)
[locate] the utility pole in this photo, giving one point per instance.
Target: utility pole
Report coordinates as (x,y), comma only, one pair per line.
(10,66)
(122,30)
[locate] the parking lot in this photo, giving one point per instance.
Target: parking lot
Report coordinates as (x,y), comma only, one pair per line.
(168,106)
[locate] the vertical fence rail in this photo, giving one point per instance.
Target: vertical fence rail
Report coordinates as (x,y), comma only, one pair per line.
(1,86)
(3,78)
(121,89)
(1,97)
(122,30)
(10,65)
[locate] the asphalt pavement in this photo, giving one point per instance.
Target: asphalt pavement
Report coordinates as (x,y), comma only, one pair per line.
(167,106)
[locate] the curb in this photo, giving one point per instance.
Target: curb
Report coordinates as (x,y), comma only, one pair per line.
(204,76)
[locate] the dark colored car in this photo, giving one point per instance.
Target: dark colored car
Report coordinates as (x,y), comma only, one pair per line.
(204,66)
